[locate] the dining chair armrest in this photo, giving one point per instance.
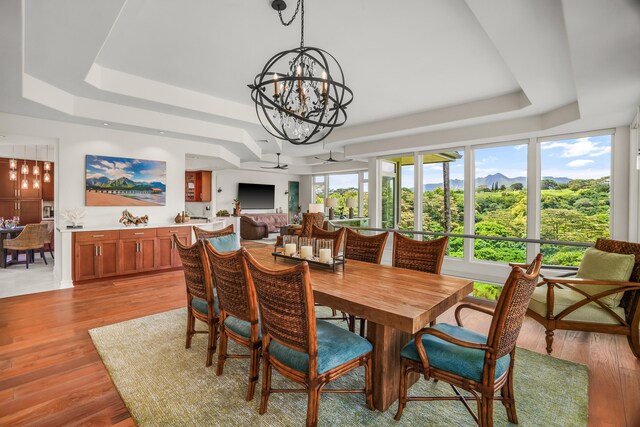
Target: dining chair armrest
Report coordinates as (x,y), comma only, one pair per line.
(521,265)
(472,307)
(445,337)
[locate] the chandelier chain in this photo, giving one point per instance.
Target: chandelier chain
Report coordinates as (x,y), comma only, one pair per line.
(286,24)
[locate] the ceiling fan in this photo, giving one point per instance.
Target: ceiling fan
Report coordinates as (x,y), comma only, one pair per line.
(331,159)
(278,166)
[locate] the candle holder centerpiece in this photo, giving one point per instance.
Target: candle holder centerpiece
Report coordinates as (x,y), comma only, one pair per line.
(315,251)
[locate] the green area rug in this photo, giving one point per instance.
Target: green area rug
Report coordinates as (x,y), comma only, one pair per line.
(164,384)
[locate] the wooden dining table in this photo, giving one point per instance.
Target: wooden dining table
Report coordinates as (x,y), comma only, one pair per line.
(8,233)
(396,302)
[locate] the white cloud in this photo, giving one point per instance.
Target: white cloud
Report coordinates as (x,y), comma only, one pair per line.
(107,164)
(579,163)
(581,147)
(121,165)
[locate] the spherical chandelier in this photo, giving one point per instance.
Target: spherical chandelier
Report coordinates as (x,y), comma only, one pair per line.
(300,95)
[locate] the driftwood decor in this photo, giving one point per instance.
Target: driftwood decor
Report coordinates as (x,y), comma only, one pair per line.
(128,219)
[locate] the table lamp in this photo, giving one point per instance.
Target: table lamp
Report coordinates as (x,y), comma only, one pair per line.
(332,203)
(316,208)
(351,203)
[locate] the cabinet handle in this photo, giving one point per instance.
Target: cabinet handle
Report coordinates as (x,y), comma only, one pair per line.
(140,233)
(98,235)
(173,231)
(137,247)
(95,249)
(100,250)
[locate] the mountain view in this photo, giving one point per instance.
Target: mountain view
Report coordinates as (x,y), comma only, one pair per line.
(492,180)
(123,184)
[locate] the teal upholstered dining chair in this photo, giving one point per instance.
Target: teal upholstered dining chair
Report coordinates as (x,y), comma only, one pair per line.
(238,310)
(202,303)
(479,364)
(303,349)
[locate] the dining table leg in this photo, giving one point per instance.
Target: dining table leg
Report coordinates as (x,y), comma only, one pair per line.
(387,343)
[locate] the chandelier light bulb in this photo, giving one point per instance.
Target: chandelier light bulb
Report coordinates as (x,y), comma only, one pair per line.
(36,170)
(13,175)
(36,183)
(13,164)
(24,169)
(25,184)
(47,177)
(47,166)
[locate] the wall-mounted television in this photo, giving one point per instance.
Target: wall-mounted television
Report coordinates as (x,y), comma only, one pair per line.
(256,196)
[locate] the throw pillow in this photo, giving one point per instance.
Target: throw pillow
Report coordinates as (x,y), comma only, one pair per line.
(600,265)
(226,243)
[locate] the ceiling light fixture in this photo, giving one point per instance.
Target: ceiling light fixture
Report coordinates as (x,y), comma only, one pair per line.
(278,166)
(105,124)
(331,159)
(300,94)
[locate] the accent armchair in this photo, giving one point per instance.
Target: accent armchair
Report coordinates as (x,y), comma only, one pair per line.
(605,297)
(481,365)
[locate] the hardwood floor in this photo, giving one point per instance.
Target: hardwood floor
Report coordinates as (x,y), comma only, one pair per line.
(51,375)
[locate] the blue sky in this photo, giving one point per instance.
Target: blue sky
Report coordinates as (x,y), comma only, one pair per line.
(134,169)
(343,181)
(585,158)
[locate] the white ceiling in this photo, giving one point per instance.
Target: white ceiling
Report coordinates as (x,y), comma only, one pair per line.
(421,71)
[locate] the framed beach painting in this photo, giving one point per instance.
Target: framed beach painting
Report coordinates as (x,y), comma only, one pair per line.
(120,181)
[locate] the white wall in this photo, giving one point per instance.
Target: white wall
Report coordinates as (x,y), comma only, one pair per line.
(228,180)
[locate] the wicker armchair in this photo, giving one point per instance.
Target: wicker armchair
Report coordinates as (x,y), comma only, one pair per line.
(418,255)
(367,249)
(238,310)
(48,238)
(208,234)
(309,220)
(30,238)
(479,364)
(364,248)
(336,236)
(576,304)
(202,303)
(305,350)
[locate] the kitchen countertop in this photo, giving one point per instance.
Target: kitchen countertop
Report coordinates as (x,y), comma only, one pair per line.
(105,227)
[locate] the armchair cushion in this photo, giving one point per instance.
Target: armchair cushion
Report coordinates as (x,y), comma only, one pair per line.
(226,243)
(336,346)
(563,298)
(443,355)
(240,327)
(600,265)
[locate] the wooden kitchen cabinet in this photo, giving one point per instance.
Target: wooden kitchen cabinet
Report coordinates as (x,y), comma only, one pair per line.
(25,203)
(167,253)
(138,247)
(96,255)
(197,186)
(29,211)
(99,254)
(8,188)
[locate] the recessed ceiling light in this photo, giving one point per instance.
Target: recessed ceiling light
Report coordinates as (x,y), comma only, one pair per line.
(161,132)
(105,124)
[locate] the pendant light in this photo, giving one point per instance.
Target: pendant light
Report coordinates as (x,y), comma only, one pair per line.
(36,168)
(47,163)
(25,171)
(36,173)
(47,168)
(13,165)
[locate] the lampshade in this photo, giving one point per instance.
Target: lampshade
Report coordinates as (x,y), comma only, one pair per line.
(351,203)
(316,208)
(332,203)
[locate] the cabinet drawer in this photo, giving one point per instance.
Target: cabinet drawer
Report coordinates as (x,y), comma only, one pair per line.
(96,236)
(137,233)
(170,231)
